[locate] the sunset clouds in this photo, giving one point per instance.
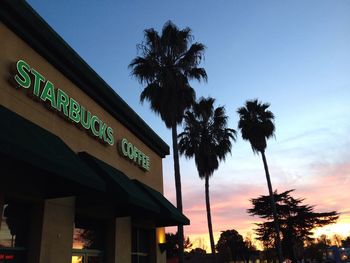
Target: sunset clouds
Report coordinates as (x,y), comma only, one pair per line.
(293,55)
(323,183)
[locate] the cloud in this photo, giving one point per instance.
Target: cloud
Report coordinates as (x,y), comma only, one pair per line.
(327,189)
(316,163)
(228,207)
(304,136)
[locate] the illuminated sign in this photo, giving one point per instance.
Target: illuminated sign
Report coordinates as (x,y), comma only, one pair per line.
(44,90)
(7,257)
(130,151)
(41,89)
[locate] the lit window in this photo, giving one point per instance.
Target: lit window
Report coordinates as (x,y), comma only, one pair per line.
(88,243)
(14,232)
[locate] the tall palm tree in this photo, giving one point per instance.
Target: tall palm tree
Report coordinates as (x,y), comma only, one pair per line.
(256,124)
(166,65)
(207,139)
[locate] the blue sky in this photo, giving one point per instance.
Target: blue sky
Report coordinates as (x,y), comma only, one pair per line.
(293,54)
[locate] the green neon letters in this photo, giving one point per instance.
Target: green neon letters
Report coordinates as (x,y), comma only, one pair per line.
(74,110)
(37,82)
(49,94)
(23,70)
(63,102)
(128,150)
(58,100)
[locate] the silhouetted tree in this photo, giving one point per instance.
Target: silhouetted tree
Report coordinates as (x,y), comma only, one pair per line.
(323,239)
(336,240)
(316,248)
(207,138)
(249,248)
(91,239)
(17,219)
(231,246)
(187,244)
(165,67)
(198,251)
(172,245)
(256,124)
(346,242)
(296,220)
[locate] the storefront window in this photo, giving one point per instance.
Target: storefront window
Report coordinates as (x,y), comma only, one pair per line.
(14,232)
(88,243)
(141,242)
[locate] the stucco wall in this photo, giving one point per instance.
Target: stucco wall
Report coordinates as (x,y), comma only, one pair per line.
(123,239)
(57,230)
(12,49)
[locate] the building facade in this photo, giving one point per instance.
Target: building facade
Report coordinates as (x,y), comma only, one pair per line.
(81,177)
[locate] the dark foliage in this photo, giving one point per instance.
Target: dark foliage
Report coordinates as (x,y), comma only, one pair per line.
(17,219)
(346,242)
(296,220)
(172,245)
(206,136)
(232,247)
(166,65)
(316,248)
(256,124)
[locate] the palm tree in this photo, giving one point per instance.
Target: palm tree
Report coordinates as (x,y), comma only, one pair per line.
(165,67)
(207,139)
(256,124)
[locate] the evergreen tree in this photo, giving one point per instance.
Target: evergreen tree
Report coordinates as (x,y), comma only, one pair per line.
(296,220)
(232,247)
(346,242)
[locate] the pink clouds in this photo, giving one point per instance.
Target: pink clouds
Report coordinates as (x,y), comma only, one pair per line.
(327,188)
(228,207)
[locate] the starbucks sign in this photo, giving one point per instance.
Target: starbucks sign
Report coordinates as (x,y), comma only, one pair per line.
(44,90)
(56,99)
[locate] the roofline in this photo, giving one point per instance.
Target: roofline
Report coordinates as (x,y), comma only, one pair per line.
(20,17)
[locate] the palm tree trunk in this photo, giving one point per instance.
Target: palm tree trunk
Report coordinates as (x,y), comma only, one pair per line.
(273,204)
(180,228)
(210,227)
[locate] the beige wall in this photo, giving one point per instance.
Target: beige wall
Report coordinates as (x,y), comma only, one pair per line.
(57,230)
(123,240)
(12,48)
(54,218)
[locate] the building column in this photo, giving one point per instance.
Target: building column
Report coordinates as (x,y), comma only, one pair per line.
(123,240)
(160,241)
(57,230)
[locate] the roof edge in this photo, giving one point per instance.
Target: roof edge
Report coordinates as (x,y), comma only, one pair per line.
(20,17)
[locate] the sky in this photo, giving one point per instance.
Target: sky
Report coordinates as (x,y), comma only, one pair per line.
(294,54)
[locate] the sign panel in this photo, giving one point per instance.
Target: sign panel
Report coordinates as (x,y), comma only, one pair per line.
(56,99)
(130,151)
